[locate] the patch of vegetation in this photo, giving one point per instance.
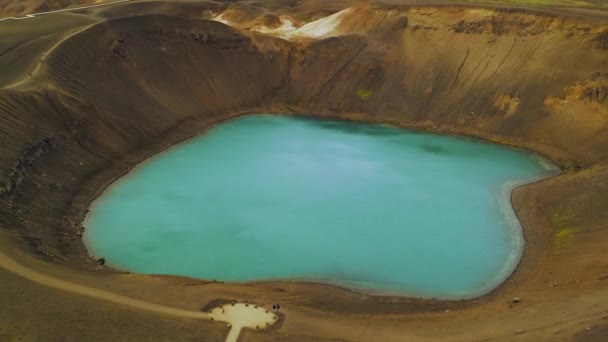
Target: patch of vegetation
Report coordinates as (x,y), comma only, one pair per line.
(564,233)
(364,94)
(561,236)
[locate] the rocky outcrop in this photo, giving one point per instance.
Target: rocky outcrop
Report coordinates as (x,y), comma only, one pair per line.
(19,171)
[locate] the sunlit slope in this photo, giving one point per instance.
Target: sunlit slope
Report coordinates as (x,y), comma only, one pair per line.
(23,43)
(125,83)
(102,100)
(573,3)
(10,8)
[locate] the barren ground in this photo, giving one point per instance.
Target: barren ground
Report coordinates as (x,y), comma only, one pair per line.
(86,95)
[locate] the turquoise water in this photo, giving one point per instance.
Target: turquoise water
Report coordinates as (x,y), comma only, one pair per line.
(366,206)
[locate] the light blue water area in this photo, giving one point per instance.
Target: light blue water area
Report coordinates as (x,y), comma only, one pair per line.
(267,197)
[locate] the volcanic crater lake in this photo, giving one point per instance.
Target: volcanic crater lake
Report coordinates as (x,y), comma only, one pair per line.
(364,206)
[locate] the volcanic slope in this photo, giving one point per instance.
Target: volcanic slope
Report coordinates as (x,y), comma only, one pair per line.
(109,94)
(13,8)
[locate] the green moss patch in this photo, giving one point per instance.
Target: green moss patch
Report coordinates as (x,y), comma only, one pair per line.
(364,94)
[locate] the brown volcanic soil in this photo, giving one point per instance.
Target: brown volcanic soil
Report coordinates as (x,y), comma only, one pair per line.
(14,8)
(105,96)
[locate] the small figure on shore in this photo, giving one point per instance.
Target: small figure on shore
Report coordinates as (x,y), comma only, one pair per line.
(101,261)
(276,307)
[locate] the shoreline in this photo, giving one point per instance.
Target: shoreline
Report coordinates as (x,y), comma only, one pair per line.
(505,196)
(422,67)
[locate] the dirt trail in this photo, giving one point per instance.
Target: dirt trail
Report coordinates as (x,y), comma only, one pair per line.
(43,57)
(60,128)
(9,264)
(237,315)
(33,15)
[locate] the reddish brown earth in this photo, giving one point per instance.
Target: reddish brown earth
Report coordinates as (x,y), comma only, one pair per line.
(109,89)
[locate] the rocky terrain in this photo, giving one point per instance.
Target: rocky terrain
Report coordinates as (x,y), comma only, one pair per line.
(85,97)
